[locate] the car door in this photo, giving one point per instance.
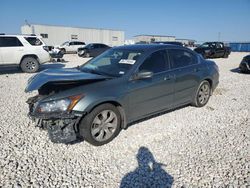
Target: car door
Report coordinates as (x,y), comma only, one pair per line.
(94,50)
(187,70)
(71,47)
(153,94)
(11,45)
(219,50)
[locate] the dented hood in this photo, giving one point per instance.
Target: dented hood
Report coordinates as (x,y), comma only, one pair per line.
(60,75)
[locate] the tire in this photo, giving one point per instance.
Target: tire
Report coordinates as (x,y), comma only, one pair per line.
(93,127)
(81,53)
(63,51)
(225,55)
(29,65)
(87,55)
(202,94)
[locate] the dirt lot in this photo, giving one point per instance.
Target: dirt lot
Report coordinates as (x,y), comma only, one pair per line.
(189,147)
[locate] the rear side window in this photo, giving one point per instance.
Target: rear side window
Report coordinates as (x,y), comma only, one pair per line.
(10,42)
(102,46)
(156,62)
(34,41)
(182,58)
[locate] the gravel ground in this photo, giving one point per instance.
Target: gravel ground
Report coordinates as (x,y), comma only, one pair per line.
(188,147)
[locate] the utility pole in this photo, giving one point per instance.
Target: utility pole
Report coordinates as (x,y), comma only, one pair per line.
(219,36)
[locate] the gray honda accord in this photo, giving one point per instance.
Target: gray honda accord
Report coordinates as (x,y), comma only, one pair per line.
(93,102)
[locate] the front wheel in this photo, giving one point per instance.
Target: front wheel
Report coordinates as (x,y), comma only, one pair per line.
(63,51)
(225,55)
(81,53)
(101,125)
(202,94)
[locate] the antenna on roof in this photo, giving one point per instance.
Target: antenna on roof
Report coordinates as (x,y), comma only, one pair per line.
(27,23)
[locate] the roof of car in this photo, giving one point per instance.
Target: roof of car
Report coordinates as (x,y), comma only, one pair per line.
(147,47)
(3,35)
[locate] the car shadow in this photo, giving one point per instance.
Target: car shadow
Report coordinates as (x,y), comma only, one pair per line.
(156,115)
(237,70)
(51,66)
(149,172)
(14,69)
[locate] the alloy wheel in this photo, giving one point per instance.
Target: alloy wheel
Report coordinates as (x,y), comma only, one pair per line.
(204,93)
(104,125)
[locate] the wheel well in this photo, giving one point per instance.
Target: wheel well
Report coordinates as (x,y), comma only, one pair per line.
(29,55)
(121,110)
(210,82)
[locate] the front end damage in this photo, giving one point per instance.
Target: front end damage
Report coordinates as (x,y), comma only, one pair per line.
(56,114)
(61,127)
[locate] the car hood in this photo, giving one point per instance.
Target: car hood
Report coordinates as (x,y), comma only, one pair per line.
(60,75)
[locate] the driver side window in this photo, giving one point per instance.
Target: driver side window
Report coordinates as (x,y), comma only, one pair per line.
(156,62)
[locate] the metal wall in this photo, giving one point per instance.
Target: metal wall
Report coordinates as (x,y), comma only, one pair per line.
(59,34)
(240,47)
(150,38)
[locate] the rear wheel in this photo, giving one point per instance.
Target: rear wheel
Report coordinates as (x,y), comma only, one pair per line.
(101,125)
(29,65)
(87,55)
(202,94)
(81,53)
(225,55)
(63,51)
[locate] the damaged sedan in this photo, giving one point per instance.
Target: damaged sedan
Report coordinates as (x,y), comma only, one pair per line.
(93,102)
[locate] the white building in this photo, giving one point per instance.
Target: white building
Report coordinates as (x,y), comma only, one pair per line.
(187,42)
(56,35)
(153,38)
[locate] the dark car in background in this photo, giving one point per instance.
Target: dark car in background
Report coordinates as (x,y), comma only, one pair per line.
(213,50)
(124,84)
(92,50)
(245,64)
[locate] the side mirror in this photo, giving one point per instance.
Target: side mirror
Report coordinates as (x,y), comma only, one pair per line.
(143,75)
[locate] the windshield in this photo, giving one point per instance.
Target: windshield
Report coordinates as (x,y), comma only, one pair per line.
(113,62)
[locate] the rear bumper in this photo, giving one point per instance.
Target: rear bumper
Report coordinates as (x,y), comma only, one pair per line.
(44,58)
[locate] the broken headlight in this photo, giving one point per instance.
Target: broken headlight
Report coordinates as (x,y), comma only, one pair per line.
(60,105)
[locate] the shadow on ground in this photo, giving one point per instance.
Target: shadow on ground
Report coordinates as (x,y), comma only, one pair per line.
(149,172)
(14,69)
(237,70)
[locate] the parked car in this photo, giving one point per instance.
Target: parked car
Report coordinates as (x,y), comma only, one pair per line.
(70,46)
(213,50)
(245,64)
(124,84)
(92,50)
(25,51)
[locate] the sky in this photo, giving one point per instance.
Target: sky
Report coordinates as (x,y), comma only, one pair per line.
(201,20)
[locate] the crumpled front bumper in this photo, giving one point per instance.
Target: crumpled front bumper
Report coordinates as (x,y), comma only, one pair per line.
(61,127)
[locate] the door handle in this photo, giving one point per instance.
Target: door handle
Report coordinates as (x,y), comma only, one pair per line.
(197,69)
(168,77)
